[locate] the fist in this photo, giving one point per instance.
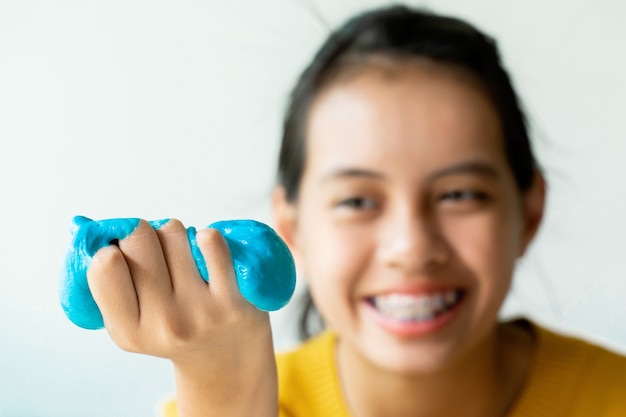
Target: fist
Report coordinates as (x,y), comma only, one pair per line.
(261,261)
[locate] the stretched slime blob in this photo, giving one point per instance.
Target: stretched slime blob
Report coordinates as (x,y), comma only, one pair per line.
(262,262)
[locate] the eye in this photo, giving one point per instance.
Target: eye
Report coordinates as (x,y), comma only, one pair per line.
(464,196)
(357,203)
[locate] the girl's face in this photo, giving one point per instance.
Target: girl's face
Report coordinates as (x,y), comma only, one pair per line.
(408,222)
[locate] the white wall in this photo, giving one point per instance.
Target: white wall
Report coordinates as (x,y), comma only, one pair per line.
(173,109)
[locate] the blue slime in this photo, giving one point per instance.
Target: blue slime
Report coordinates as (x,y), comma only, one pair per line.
(262,263)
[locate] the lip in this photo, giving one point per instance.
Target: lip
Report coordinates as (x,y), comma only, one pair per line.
(415,329)
(416,289)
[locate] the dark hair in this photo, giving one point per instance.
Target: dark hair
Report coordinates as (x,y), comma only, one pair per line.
(400,33)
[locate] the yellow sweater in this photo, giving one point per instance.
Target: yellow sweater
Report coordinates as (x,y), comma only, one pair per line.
(569,378)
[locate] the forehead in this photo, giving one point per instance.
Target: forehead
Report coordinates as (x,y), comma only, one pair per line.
(419,115)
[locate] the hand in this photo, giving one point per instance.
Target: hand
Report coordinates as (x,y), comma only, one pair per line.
(154,301)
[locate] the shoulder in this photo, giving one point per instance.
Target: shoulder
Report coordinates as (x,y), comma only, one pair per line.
(308,383)
(301,370)
(314,349)
(168,408)
(585,356)
(569,373)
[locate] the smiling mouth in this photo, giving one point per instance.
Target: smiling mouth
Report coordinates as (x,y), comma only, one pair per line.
(416,308)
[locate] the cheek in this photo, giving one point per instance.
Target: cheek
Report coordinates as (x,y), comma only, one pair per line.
(488,245)
(330,254)
(334,260)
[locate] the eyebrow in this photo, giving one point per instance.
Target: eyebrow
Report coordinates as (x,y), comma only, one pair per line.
(472,167)
(352,173)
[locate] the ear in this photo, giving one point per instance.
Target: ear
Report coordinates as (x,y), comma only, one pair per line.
(285,219)
(533,205)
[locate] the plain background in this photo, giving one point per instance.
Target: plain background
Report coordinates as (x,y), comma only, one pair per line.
(173,109)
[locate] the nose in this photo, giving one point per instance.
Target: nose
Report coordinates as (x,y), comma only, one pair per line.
(413,243)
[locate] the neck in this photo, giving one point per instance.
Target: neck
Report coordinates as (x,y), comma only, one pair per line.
(484,382)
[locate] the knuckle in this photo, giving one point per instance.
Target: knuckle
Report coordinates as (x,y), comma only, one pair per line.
(125,339)
(105,260)
(143,228)
(211,239)
(173,226)
(172,231)
(139,237)
(127,345)
(210,235)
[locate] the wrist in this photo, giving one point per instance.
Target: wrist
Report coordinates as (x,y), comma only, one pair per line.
(236,380)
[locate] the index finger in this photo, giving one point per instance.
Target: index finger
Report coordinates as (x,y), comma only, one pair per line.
(113,291)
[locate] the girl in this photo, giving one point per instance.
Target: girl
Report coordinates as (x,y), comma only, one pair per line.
(407,192)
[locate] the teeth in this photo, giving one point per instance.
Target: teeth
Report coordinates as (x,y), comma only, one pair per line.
(403,307)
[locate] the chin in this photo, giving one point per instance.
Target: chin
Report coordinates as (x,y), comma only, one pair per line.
(412,359)
(414,355)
